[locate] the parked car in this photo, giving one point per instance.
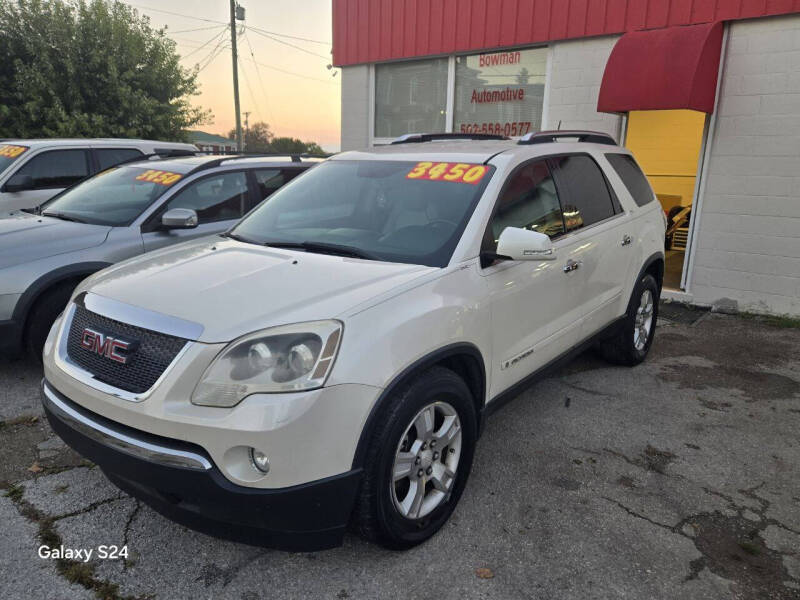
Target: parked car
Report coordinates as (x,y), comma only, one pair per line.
(122,212)
(330,361)
(32,171)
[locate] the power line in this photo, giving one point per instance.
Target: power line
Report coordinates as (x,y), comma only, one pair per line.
(170,32)
(292,37)
(252,95)
(274,39)
(217,36)
(167,12)
(258,73)
(293,73)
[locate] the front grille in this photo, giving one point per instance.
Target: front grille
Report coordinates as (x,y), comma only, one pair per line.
(153,354)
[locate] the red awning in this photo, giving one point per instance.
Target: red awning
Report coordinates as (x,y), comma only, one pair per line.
(663,69)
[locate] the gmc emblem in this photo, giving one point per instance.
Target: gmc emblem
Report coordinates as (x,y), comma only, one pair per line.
(105,345)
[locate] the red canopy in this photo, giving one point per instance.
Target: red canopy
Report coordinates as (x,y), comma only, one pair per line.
(663,69)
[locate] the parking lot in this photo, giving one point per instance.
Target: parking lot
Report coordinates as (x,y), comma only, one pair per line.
(674,479)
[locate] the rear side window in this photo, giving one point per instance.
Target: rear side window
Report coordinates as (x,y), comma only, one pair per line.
(56,168)
(632,177)
(221,197)
(587,199)
(108,157)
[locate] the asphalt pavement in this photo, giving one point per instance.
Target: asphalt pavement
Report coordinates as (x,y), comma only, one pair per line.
(679,478)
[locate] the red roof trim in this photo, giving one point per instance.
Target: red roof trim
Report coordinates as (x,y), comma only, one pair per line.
(419,28)
(663,69)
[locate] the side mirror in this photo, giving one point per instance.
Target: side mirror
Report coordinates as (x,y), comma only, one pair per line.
(522,244)
(179,218)
(18,183)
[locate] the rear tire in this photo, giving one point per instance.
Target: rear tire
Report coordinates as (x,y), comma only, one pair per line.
(630,345)
(43,315)
(411,486)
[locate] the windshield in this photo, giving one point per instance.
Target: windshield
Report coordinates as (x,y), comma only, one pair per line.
(114,197)
(9,153)
(395,211)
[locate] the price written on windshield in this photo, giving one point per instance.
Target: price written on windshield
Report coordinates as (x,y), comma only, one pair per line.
(451,172)
(161,177)
(11,151)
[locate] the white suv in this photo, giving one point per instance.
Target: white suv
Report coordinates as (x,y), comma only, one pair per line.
(330,360)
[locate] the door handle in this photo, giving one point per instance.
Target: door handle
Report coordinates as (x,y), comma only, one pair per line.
(572,265)
(626,240)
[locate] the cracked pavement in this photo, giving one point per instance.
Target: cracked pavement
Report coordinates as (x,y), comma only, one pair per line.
(679,478)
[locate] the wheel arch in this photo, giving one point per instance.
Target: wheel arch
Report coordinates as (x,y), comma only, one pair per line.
(464,359)
(654,265)
(46,282)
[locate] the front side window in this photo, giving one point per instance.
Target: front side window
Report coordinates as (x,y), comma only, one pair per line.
(529,201)
(500,93)
(586,196)
(221,197)
(410,97)
(9,154)
(395,211)
(108,157)
(56,168)
(114,197)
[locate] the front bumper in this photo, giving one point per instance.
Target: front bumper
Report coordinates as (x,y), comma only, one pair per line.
(180,481)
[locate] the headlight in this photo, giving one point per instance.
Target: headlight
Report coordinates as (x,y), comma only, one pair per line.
(289,358)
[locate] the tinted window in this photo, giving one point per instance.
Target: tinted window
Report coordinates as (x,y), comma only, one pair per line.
(108,157)
(10,153)
(56,169)
(585,196)
(529,201)
(632,177)
(116,196)
(220,197)
(390,210)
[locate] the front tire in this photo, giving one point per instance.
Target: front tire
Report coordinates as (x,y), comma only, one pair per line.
(418,461)
(630,345)
(43,315)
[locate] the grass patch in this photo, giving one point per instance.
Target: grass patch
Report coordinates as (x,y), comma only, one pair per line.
(778,321)
(15,493)
(21,420)
(751,548)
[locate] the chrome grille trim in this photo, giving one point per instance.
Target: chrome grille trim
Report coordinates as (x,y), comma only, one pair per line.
(67,365)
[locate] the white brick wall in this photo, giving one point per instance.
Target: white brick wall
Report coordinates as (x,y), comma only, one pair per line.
(355,107)
(576,74)
(748,243)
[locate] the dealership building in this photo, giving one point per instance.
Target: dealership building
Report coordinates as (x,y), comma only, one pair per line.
(706,93)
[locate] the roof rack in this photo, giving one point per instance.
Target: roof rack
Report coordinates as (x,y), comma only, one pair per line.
(545,137)
(294,157)
(414,138)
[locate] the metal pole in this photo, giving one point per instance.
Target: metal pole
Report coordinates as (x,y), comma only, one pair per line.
(235,77)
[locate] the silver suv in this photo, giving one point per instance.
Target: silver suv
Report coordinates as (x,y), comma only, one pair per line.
(120,213)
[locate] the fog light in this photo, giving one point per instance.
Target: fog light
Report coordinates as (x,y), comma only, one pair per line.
(259,460)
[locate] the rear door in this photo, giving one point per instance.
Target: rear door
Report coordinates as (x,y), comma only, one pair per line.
(269,180)
(598,230)
(219,199)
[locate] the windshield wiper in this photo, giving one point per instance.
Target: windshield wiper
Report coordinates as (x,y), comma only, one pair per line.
(64,217)
(323,248)
(237,237)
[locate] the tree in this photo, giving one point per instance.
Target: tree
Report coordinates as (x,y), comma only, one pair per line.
(90,68)
(256,139)
(288,145)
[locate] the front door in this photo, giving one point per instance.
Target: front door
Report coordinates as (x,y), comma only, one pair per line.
(535,305)
(219,200)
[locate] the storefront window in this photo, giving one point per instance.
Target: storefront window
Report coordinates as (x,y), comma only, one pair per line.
(500,92)
(410,97)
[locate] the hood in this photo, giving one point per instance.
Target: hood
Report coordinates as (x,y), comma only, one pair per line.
(25,237)
(232,288)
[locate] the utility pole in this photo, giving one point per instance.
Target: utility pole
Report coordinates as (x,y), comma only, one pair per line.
(246,129)
(235,57)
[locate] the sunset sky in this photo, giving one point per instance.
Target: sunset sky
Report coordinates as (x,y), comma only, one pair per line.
(291,88)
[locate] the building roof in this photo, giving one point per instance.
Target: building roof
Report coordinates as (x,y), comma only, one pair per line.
(202,137)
